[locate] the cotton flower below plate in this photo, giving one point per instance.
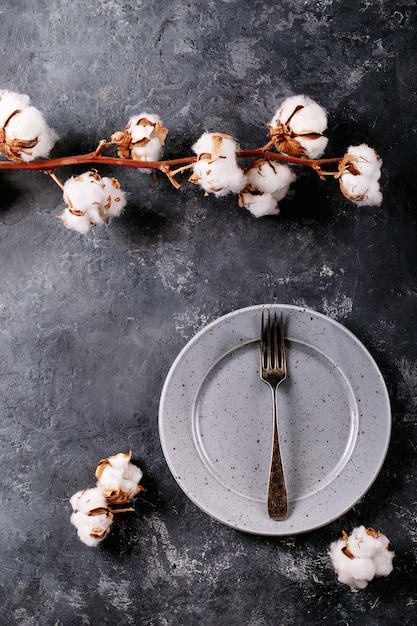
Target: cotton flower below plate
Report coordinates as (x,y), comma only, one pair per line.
(361,556)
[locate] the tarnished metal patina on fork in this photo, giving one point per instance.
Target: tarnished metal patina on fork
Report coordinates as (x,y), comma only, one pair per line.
(273,371)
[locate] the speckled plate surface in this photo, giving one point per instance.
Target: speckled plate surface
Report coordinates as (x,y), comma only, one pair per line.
(215,421)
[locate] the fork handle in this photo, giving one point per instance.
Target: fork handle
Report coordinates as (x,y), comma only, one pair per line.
(277,490)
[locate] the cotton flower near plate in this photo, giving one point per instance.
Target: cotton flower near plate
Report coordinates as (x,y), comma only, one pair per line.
(93,509)
(91,515)
(297,128)
(217,170)
(361,556)
(268,182)
(24,133)
(119,478)
(142,139)
(91,200)
(359,174)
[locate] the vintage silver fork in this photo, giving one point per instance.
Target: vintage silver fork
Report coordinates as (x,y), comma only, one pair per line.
(273,371)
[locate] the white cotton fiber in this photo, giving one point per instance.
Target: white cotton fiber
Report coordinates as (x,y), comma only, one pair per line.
(91,515)
(115,197)
(355,186)
(30,125)
(270,177)
(88,499)
(81,192)
(147,136)
(79,223)
(361,556)
(300,120)
(364,545)
(359,174)
(11,102)
(117,483)
(119,478)
(217,170)
(367,161)
(219,177)
(268,182)
(91,201)
(24,123)
(259,204)
(302,114)
(217,145)
(314,147)
(383,562)
(91,529)
(93,534)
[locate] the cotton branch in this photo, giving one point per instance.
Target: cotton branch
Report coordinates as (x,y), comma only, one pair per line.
(95,158)
(295,138)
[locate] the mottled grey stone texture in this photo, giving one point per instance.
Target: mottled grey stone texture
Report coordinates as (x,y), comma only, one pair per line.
(90,325)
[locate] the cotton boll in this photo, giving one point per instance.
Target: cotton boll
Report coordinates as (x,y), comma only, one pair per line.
(91,515)
(215,145)
(347,579)
(260,204)
(270,177)
(92,529)
(365,160)
(26,135)
(355,187)
(302,114)
(119,478)
(361,190)
(359,173)
(150,152)
(280,194)
(296,128)
(30,125)
(133,473)
(92,537)
(337,554)
(351,571)
(143,126)
(91,200)
(218,177)
(142,139)
(217,170)
(360,557)
(83,191)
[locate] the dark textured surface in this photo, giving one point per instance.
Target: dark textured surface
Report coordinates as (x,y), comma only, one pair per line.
(90,325)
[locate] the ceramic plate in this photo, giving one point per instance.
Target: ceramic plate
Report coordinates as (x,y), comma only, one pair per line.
(215,421)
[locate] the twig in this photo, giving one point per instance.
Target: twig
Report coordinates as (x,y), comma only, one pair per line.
(96,158)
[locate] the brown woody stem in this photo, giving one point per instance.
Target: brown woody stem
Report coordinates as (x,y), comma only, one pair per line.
(96,158)
(55,178)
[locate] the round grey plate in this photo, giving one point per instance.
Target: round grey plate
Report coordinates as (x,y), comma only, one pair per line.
(215,421)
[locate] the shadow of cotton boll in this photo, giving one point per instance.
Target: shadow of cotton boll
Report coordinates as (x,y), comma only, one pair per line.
(123,537)
(9,193)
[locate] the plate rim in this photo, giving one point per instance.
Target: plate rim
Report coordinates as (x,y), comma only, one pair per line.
(276,531)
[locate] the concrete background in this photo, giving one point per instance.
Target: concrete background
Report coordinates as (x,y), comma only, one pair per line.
(90,325)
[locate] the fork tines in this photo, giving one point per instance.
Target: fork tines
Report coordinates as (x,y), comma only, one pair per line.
(272,342)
